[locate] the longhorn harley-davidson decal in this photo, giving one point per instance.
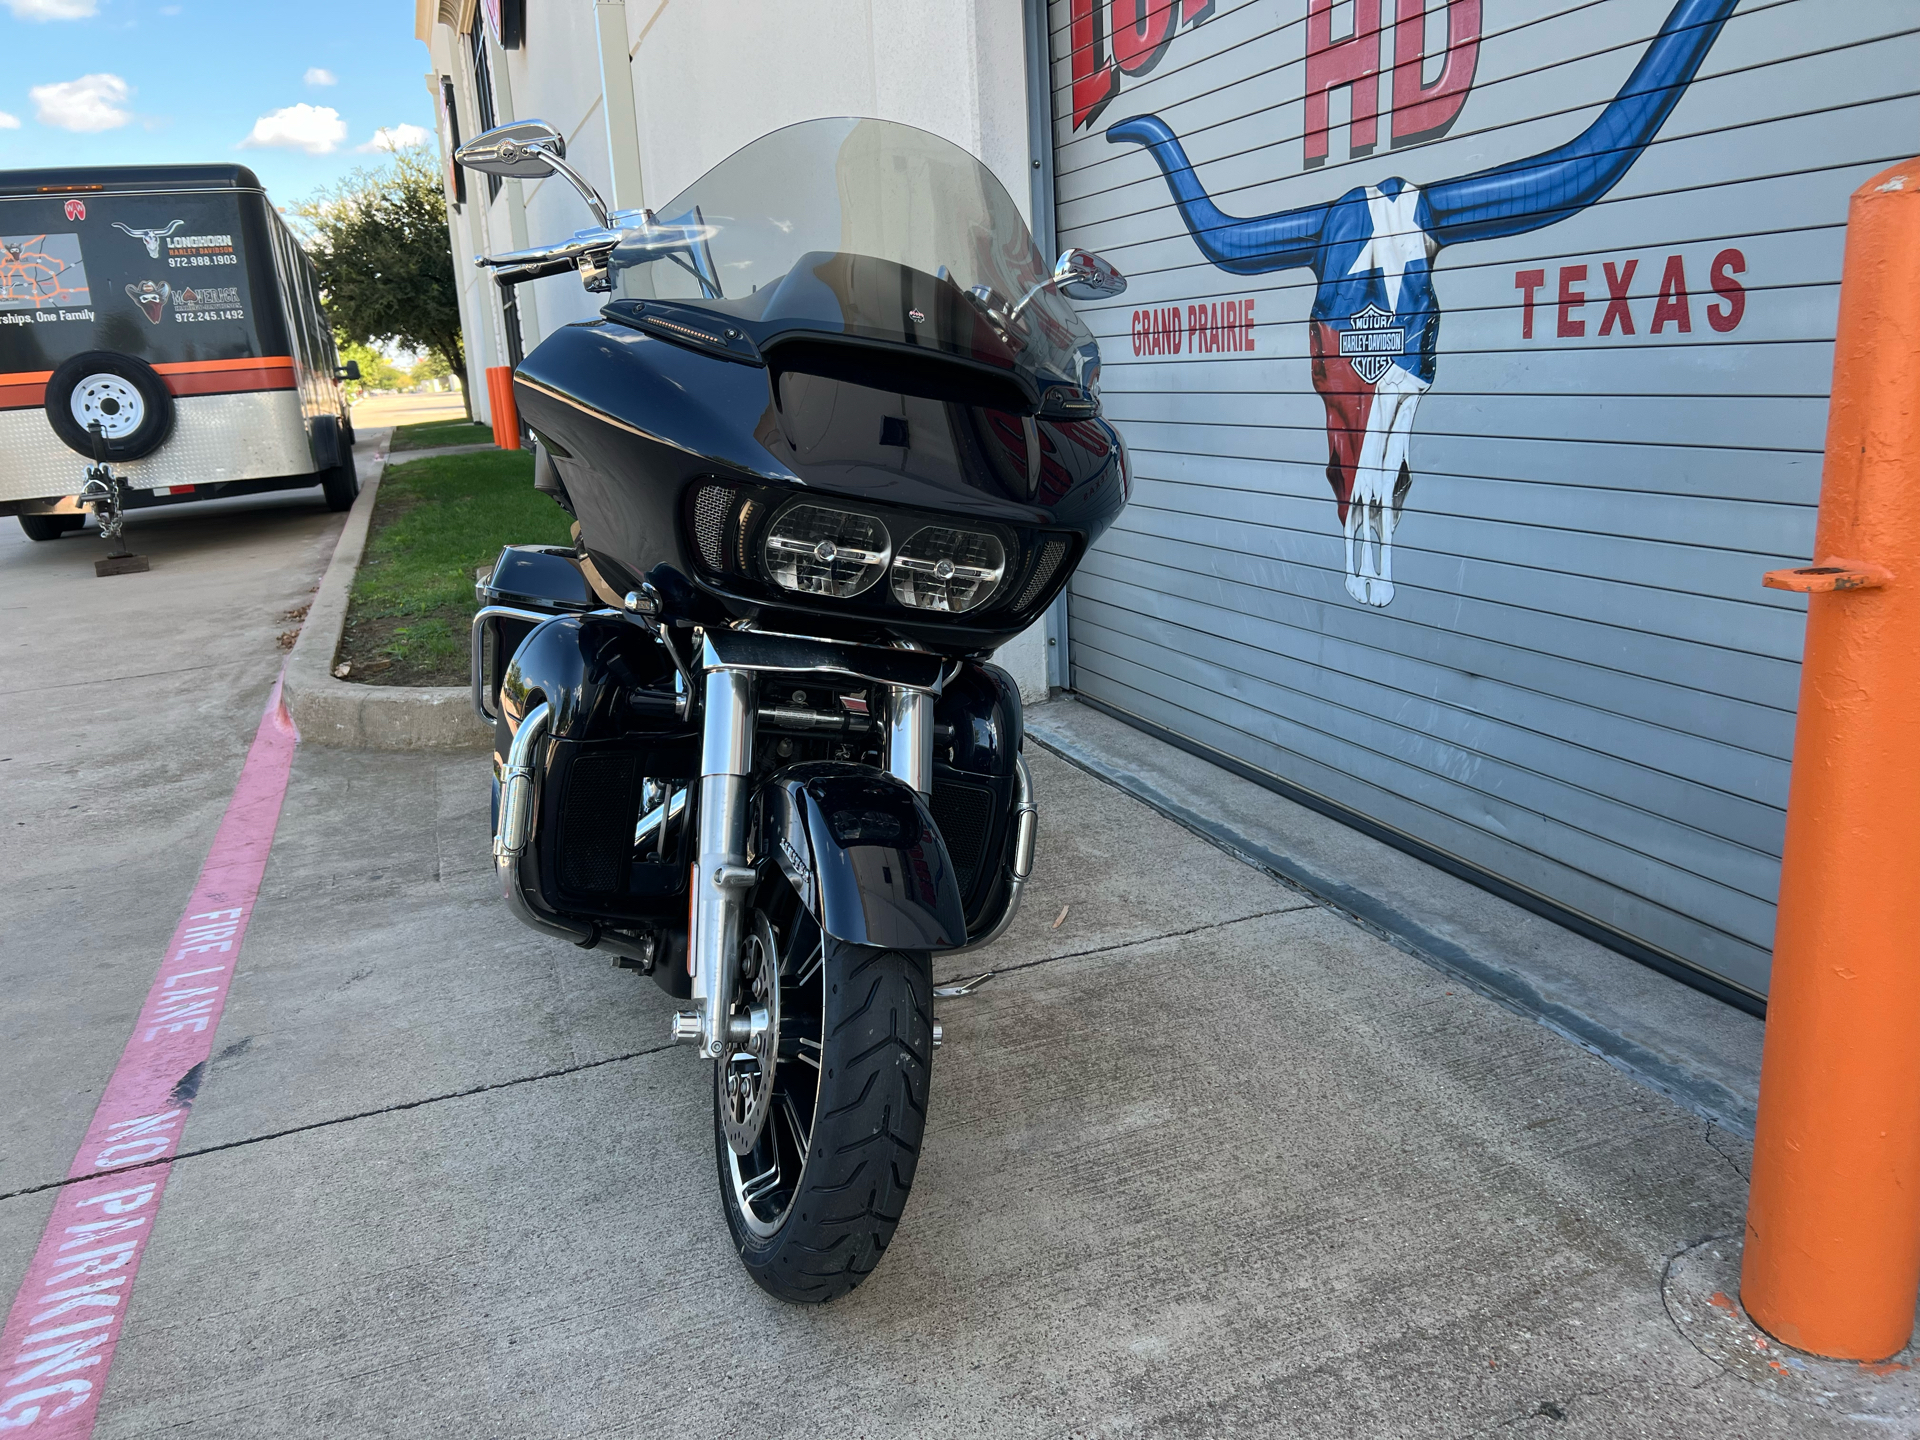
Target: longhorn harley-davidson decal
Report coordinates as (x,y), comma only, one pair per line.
(1375,321)
(150,238)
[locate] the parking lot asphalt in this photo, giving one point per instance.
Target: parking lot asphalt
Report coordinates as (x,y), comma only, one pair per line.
(1204,1158)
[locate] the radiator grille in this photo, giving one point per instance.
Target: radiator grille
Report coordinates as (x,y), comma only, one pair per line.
(964,814)
(1050,558)
(596,829)
(710,508)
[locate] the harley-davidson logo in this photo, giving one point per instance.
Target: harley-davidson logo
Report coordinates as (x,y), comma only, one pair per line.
(917,317)
(1372,342)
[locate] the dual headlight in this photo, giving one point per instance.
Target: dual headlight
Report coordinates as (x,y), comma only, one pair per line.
(822,550)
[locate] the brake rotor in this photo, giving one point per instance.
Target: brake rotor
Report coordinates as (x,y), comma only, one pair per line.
(747,1067)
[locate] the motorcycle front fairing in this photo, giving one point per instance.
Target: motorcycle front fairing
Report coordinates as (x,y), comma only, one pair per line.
(898,347)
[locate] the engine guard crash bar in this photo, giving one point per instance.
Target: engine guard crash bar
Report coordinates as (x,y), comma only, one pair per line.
(1026,824)
(481,619)
(519,803)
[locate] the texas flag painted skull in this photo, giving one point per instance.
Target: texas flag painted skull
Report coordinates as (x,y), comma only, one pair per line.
(1375,322)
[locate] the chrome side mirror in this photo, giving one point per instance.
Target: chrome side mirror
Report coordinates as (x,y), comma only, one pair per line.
(1082,275)
(529,150)
(523,150)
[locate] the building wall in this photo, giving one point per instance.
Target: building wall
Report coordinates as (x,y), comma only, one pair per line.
(1575,682)
(708,77)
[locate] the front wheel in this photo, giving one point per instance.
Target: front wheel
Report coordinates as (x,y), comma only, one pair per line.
(817,1127)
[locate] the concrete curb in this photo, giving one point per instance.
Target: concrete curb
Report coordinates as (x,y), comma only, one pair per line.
(367,717)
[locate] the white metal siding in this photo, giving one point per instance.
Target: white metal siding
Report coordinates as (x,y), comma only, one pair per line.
(1579,685)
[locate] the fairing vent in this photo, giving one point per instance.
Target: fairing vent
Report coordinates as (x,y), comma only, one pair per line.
(964,814)
(596,831)
(710,507)
(1051,555)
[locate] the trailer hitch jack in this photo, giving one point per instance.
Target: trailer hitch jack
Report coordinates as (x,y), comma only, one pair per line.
(101,494)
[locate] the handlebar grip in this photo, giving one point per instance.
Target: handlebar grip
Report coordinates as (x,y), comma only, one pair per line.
(515,274)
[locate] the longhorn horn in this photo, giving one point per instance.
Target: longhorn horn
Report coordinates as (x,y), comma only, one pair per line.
(1279,241)
(1527,194)
(1506,200)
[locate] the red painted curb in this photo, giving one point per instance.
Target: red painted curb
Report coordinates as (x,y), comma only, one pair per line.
(60,1334)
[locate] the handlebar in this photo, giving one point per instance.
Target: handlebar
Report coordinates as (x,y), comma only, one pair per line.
(510,275)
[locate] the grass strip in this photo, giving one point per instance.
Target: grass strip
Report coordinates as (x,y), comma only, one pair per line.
(435,522)
(435,433)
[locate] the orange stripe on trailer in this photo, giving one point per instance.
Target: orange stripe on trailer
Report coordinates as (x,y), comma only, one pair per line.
(229,382)
(1832,1260)
(24,389)
(228,377)
(245,362)
(27,389)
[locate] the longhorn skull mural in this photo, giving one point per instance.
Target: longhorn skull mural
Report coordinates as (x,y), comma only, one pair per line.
(1375,323)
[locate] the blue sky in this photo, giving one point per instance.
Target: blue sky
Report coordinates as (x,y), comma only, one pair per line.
(180,81)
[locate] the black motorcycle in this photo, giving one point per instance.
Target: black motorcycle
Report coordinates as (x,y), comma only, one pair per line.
(835,437)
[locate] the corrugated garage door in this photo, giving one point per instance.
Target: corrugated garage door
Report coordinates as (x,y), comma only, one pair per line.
(1601,414)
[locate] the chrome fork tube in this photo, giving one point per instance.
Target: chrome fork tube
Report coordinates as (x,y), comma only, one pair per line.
(721,879)
(910,737)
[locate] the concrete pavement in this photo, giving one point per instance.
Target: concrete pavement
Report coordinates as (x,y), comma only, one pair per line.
(378,410)
(1206,1159)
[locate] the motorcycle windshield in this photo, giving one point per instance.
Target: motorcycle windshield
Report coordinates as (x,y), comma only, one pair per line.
(872,232)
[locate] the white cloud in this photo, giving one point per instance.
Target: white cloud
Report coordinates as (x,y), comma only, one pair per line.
(53,9)
(9,122)
(316,129)
(318,76)
(89,104)
(396,137)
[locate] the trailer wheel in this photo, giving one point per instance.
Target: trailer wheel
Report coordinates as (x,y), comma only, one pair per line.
(340,483)
(51,527)
(124,395)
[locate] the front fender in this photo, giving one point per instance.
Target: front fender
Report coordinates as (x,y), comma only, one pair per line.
(862,850)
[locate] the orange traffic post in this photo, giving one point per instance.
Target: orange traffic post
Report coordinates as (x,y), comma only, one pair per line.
(1832,1259)
(506,414)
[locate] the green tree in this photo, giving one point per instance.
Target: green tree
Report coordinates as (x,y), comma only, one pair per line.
(379,241)
(377,372)
(432,365)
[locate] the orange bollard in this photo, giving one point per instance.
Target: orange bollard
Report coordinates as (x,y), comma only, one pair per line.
(1832,1262)
(506,414)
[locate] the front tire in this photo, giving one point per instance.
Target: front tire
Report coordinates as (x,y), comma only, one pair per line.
(849,1109)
